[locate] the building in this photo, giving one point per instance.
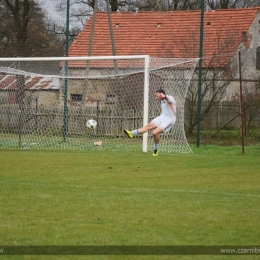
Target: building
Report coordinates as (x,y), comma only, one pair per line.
(173,34)
(176,34)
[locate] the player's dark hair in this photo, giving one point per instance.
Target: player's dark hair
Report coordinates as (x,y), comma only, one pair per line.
(160,91)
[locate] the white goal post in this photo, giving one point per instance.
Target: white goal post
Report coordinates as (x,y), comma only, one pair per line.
(45,102)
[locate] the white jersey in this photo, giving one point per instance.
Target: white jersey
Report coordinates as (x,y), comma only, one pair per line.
(168,116)
(168,109)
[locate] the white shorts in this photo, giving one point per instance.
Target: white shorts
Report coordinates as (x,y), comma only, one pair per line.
(164,123)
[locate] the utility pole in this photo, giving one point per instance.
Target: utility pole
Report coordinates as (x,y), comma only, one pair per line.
(65,93)
(200,73)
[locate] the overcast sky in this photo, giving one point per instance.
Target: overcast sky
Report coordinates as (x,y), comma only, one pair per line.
(49,6)
(60,17)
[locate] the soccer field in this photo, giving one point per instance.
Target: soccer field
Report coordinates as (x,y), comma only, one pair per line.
(93,198)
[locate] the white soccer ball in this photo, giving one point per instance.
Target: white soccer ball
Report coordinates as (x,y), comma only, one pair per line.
(91,124)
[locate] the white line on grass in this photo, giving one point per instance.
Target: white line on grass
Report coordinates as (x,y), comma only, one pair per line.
(131,189)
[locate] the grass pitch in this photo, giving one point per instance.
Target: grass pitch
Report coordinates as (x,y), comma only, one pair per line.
(78,198)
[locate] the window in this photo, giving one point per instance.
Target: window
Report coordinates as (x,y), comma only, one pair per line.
(258,58)
(76,97)
(110,99)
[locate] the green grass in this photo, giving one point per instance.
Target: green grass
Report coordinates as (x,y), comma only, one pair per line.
(226,137)
(72,198)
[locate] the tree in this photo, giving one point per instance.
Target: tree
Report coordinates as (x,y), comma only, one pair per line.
(18,14)
(226,4)
(24,31)
(251,99)
(80,11)
(218,72)
(214,84)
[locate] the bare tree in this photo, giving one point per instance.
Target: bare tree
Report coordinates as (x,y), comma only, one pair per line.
(24,31)
(251,99)
(212,91)
(226,4)
(218,72)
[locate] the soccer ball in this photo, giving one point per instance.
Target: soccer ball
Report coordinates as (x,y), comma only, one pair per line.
(91,123)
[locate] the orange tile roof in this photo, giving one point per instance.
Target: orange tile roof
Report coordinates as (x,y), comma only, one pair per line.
(173,34)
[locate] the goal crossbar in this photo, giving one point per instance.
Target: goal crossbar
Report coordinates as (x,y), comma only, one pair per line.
(46,101)
(82,58)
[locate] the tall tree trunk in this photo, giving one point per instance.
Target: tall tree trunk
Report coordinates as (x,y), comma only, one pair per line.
(20,12)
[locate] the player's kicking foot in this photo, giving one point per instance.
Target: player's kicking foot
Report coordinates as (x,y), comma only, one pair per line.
(128,133)
(155,153)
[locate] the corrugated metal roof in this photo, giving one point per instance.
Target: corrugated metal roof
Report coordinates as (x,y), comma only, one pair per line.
(9,82)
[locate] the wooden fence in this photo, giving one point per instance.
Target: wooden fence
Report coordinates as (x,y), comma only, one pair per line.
(110,122)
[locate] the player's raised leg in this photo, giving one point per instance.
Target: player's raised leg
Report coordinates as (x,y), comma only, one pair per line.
(141,130)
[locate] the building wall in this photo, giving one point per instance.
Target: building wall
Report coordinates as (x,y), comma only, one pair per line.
(248,61)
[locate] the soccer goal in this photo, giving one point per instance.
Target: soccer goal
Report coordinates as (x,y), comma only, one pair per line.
(46,102)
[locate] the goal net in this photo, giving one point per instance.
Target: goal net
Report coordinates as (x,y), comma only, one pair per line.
(46,102)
